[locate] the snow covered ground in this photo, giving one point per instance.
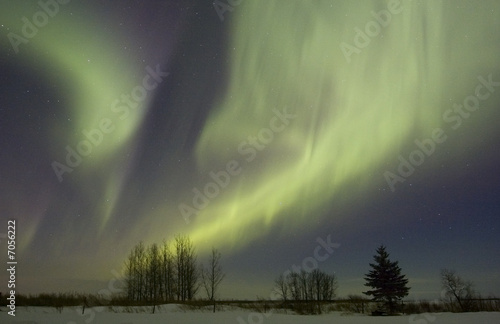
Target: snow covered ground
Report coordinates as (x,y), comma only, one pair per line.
(174,314)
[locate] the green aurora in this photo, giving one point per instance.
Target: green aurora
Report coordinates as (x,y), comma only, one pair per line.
(353,113)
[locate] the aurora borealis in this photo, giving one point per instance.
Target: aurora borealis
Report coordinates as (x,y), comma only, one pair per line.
(257,134)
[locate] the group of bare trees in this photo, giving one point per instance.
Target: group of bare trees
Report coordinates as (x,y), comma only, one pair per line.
(170,272)
(161,273)
(306,286)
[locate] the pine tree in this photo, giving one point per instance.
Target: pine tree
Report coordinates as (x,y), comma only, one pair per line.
(389,285)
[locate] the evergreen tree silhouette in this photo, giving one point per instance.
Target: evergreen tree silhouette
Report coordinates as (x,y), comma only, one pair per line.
(389,285)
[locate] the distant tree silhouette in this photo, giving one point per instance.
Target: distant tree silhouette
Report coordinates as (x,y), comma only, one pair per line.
(212,276)
(135,273)
(168,283)
(153,273)
(282,287)
(457,289)
(389,285)
(187,271)
(312,287)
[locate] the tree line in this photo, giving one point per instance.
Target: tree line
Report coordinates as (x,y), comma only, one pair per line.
(170,272)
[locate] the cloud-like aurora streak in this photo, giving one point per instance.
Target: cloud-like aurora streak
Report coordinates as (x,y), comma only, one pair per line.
(90,72)
(351,117)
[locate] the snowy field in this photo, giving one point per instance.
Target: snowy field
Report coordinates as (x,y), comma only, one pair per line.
(173,314)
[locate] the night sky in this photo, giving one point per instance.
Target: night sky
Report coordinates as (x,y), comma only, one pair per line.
(262,128)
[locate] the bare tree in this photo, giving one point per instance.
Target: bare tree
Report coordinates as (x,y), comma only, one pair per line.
(212,276)
(136,279)
(168,272)
(303,283)
(187,271)
(317,279)
(330,286)
(131,276)
(457,289)
(153,274)
(141,281)
(282,287)
(294,286)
